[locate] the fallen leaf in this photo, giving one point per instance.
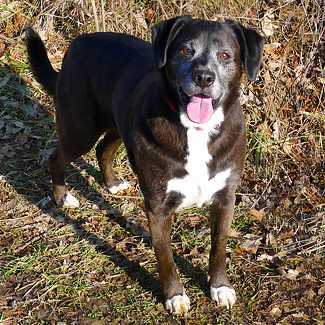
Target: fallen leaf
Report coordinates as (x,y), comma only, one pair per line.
(150,15)
(321,290)
(136,229)
(276,312)
(2,48)
(291,274)
(127,208)
(234,233)
(276,130)
(266,257)
(310,294)
(141,20)
(257,214)
(268,25)
(251,245)
(270,240)
(21,138)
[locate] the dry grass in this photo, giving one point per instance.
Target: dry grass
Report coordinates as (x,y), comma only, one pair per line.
(95,265)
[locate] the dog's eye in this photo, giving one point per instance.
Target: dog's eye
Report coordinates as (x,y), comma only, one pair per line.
(185,51)
(224,56)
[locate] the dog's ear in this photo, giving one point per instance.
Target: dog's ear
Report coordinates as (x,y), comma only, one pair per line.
(162,35)
(251,48)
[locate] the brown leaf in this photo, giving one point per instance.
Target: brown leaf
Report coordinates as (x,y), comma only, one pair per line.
(150,15)
(276,312)
(2,48)
(321,290)
(288,274)
(257,214)
(251,245)
(234,233)
(268,25)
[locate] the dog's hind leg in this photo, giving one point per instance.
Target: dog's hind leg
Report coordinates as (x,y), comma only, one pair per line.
(64,155)
(62,197)
(105,152)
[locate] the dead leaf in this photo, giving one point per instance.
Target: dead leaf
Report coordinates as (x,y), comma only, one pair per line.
(194,251)
(286,203)
(251,245)
(321,290)
(276,130)
(268,25)
(310,294)
(193,220)
(276,312)
(137,229)
(150,15)
(21,138)
(288,274)
(270,240)
(127,208)
(234,233)
(141,20)
(2,48)
(266,257)
(257,214)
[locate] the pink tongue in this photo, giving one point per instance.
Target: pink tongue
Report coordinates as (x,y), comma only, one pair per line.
(200,109)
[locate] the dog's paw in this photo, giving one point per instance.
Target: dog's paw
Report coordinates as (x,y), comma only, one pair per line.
(223,296)
(178,305)
(119,188)
(70,201)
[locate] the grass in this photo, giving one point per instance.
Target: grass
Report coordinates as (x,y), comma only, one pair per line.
(95,265)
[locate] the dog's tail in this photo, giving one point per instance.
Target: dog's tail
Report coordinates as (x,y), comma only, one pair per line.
(39,61)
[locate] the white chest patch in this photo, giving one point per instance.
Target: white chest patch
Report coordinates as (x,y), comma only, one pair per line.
(197,187)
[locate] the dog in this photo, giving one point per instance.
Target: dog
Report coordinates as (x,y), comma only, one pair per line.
(174,103)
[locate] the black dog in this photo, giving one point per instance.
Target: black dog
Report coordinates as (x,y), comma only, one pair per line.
(174,103)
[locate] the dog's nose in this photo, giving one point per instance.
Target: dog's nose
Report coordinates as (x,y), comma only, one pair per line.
(203,78)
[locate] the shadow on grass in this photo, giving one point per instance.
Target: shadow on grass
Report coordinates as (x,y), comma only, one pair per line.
(17,173)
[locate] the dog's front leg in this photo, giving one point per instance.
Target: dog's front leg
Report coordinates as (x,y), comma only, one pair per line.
(221,214)
(177,301)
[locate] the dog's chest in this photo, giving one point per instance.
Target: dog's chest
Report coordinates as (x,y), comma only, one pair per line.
(196,186)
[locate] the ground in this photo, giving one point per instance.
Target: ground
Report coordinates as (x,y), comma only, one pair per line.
(95,264)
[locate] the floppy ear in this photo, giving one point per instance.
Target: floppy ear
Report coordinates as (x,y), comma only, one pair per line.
(163,33)
(251,48)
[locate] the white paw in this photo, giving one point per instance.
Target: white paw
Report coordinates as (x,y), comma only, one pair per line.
(70,201)
(223,296)
(178,305)
(120,187)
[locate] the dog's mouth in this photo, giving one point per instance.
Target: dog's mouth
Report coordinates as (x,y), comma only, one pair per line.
(199,107)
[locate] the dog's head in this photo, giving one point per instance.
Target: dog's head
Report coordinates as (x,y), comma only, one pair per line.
(203,61)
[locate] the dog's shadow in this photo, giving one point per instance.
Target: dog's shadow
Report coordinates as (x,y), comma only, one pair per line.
(35,114)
